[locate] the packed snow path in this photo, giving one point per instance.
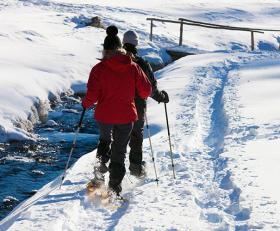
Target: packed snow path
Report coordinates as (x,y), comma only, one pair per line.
(224,121)
(202,197)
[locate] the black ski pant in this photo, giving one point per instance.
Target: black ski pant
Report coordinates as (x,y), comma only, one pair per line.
(116,135)
(136,138)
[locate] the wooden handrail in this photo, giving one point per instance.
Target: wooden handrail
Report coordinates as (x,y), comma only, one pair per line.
(222,27)
(206,25)
(183,21)
(230,27)
(163,20)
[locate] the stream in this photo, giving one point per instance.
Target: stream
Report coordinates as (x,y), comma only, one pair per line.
(27,166)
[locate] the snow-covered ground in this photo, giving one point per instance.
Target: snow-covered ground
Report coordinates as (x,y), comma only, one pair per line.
(224,113)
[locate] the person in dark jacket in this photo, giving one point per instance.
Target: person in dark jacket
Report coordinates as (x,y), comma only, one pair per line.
(130,42)
(112,84)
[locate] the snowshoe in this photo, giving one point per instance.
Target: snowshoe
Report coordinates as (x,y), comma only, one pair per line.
(98,181)
(114,200)
(94,185)
(100,195)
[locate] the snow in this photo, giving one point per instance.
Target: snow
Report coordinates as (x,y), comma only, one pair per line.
(66,55)
(256,97)
(254,140)
(223,114)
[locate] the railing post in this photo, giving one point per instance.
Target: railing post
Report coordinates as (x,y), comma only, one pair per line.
(252,41)
(181,33)
(151,30)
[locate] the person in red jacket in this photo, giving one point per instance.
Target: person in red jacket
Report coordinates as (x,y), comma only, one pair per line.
(112,85)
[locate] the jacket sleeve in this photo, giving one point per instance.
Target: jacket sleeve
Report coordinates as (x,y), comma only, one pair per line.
(93,89)
(146,67)
(143,85)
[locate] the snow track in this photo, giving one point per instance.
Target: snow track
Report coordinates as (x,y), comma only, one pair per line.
(201,134)
(211,193)
(204,195)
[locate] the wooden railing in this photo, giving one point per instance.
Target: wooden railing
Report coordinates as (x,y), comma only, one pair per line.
(183,21)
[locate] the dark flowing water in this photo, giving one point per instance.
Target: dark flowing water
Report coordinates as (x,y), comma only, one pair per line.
(27,166)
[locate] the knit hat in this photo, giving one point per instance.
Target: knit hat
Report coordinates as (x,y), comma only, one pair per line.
(112,41)
(130,37)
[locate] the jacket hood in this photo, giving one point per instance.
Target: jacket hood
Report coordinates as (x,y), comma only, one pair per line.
(118,62)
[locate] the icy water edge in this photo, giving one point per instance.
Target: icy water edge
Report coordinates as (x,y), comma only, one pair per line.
(27,166)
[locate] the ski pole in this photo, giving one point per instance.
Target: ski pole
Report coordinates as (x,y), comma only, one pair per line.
(73,146)
(168,131)
(152,152)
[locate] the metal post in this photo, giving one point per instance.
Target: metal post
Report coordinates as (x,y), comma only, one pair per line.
(73,146)
(181,33)
(252,41)
(152,152)
(151,31)
(168,131)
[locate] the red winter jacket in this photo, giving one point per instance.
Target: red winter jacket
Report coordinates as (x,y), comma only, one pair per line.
(113,84)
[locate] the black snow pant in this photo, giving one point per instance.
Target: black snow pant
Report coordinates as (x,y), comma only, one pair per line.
(117,136)
(136,138)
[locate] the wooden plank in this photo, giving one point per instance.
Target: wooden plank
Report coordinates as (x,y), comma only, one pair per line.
(163,20)
(205,25)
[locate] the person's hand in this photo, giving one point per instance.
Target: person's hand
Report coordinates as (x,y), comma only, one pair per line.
(164,98)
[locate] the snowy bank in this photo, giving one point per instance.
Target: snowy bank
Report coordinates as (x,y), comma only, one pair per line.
(42,56)
(211,152)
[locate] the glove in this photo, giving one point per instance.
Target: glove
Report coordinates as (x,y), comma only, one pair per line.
(164,98)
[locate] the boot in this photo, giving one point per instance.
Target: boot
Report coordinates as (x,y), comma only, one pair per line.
(137,170)
(103,155)
(100,166)
(104,151)
(117,172)
(115,188)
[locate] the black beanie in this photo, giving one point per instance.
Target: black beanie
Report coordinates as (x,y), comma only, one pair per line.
(112,41)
